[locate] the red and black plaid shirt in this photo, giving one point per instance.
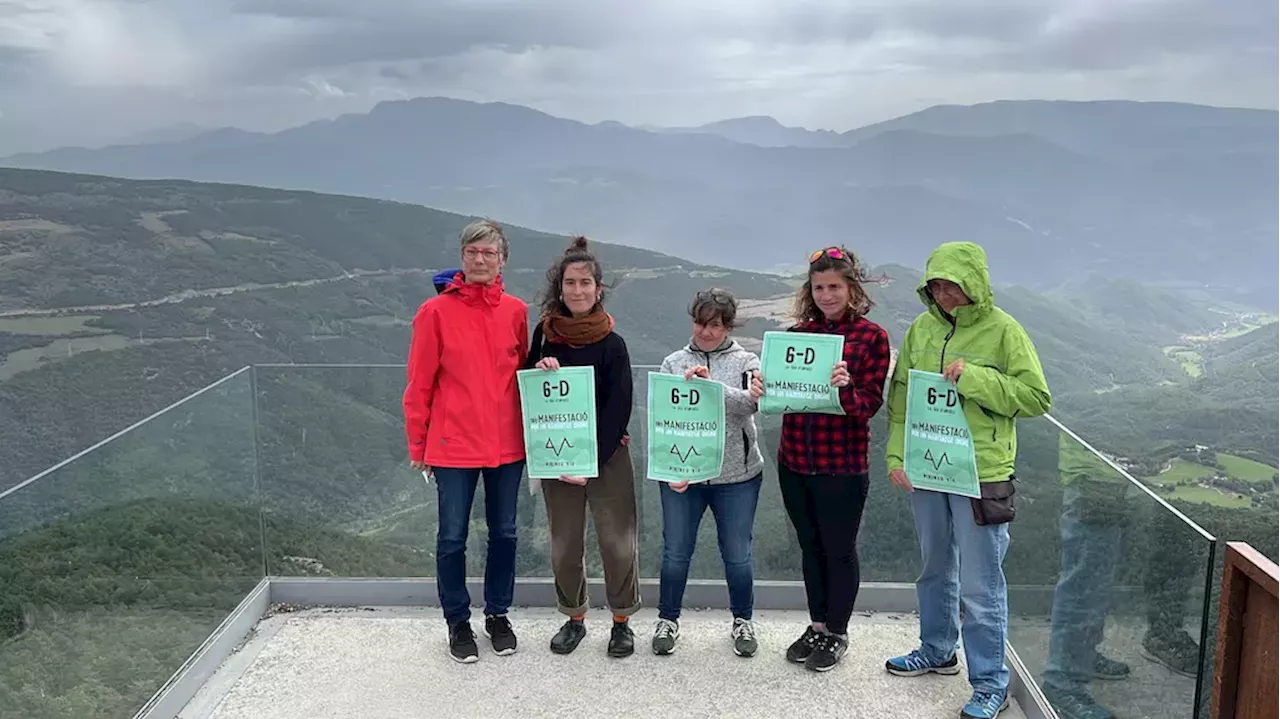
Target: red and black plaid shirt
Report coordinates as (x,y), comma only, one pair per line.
(834,444)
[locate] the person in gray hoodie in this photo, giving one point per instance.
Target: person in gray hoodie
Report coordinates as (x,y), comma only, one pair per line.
(732,497)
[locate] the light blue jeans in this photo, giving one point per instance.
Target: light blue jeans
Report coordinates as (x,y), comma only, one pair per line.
(962,562)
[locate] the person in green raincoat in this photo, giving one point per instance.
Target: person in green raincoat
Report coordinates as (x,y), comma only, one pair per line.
(993,363)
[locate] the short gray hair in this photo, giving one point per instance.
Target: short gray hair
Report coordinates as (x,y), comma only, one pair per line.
(715,303)
(485,231)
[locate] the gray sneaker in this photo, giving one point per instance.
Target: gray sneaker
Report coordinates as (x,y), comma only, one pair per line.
(1175,650)
(744,638)
(665,635)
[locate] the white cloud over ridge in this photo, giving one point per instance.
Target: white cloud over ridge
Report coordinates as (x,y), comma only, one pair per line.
(266,64)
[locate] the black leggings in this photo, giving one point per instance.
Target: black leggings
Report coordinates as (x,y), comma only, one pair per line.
(826,510)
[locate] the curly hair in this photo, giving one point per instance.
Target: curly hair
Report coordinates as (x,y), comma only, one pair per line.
(551,304)
(847,264)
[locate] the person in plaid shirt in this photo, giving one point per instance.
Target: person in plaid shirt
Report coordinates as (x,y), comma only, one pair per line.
(822,459)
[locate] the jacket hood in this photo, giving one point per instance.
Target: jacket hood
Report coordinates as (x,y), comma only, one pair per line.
(964,263)
(444,278)
(472,292)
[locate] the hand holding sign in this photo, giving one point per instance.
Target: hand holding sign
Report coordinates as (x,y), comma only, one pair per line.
(699,371)
(548,364)
(953,371)
(840,374)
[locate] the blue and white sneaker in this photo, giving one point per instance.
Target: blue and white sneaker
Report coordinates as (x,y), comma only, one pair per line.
(915,664)
(985,705)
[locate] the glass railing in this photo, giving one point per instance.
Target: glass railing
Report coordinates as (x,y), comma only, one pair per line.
(1107,584)
(117,564)
(134,551)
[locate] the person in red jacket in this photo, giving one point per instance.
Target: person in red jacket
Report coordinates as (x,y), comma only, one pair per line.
(462,419)
(822,459)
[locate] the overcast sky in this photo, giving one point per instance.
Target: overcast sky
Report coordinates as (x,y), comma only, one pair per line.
(84,71)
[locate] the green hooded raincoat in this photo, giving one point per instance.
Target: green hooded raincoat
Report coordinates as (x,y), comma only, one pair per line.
(1002,377)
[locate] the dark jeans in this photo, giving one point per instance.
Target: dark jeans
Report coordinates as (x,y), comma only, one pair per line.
(1091,546)
(1095,522)
(734,509)
(826,511)
(456,489)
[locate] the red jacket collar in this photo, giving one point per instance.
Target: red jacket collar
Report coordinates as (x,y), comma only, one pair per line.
(472,292)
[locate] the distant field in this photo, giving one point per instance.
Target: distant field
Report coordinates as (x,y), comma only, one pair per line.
(1246,469)
(1244,327)
(1190,360)
(1209,495)
(1239,468)
(1183,471)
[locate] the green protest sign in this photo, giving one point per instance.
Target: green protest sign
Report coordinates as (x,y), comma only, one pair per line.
(938,448)
(559,409)
(796,367)
(686,428)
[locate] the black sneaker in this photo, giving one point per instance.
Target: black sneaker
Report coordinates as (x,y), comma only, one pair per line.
(801,648)
(501,635)
(1109,669)
(462,643)
(744,638)
(622,641)
(569,636)
(827,653)
(1175,650)
(665,635)
(1074,702)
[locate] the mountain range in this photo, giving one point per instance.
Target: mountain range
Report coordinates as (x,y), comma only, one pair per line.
(1161,192)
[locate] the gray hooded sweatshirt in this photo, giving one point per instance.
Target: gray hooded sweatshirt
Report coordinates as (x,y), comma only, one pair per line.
(731,365)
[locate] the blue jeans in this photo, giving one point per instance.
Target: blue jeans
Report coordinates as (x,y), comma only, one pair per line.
(456,489)
(1091,546)
(962,561)
(734,509)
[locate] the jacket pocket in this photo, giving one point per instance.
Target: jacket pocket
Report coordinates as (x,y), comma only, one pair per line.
(996,505)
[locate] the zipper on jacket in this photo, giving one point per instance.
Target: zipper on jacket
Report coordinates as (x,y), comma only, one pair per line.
(995,429)
(746,451)
(942,358)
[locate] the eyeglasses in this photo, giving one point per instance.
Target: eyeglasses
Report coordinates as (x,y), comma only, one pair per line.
(487,253)
(835,253)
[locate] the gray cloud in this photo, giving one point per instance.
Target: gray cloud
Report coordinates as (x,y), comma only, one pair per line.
(266,64)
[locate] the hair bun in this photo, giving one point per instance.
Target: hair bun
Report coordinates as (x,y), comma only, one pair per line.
(579,244)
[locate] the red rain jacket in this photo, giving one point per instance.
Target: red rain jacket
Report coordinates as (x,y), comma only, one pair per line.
(461,404)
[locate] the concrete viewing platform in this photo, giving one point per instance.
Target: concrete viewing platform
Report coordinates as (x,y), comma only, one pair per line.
(392,663)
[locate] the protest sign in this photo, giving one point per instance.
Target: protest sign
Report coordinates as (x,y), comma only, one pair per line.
(559,409)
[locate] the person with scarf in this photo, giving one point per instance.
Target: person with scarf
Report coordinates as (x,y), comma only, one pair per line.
(467,344)
(822,458)
(575,331)
(733,496)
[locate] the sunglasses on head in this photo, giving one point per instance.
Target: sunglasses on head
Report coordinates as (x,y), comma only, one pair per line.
(835,253)
(715,295)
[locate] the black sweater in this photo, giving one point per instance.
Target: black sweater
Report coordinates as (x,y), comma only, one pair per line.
(613,382)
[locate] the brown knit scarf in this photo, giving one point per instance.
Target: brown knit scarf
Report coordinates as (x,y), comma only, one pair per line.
(578,331)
